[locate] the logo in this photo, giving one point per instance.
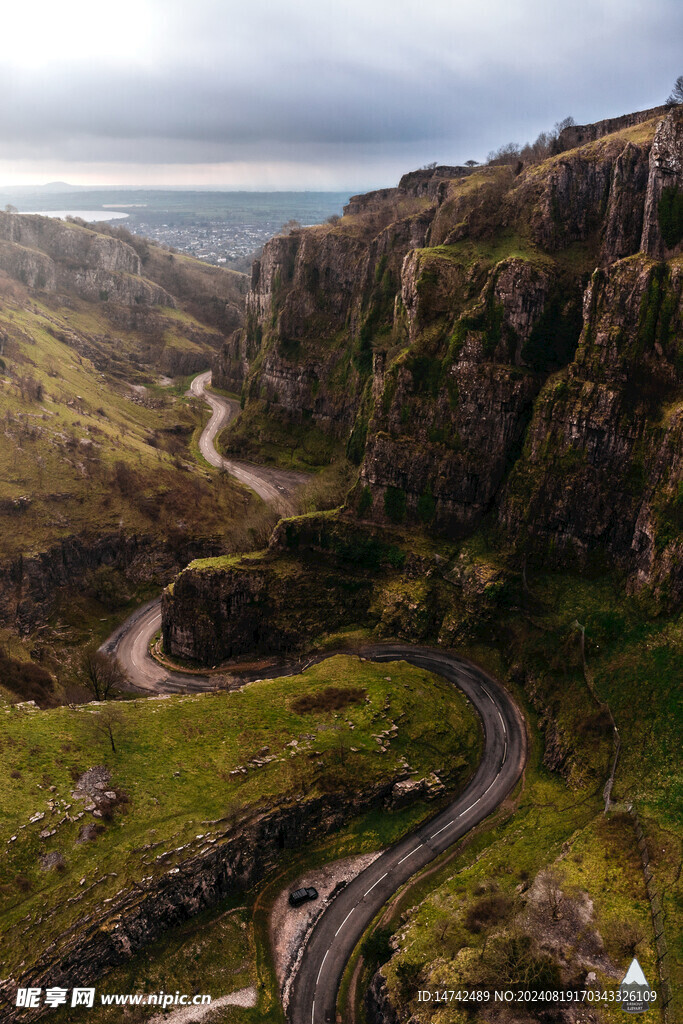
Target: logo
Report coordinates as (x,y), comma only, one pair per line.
(634,990)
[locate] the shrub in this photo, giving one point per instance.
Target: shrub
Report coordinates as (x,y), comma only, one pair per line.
(670,215)
(624,937)
(395,504)
(332,698)
(365,502)
(426,506)
(513,959)
(377,949)
(488,910)
(28,680)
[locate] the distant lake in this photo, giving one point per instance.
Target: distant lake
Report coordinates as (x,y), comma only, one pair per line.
(89,215)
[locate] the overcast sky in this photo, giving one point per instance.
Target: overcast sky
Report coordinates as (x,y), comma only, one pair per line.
(311,93)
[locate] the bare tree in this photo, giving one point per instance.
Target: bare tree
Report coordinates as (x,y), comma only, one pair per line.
(507,154)
(551,897)
(103,673)
(676,96)
(566,122)
(107,721)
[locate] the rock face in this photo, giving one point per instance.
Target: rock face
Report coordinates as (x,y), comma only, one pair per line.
(30,586)
(602,466)
(378,1004)
(501,344)
(242,605)
(662,230)
(47,254)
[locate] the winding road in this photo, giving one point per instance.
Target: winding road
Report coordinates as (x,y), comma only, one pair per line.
(130,642)
(343,921)
(275,486)
(315,987)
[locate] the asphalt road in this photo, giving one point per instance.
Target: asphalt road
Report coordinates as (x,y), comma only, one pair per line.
(275,486)
(130,642)
(315,987)
(314,991)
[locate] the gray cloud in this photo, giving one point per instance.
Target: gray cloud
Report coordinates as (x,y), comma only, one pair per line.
(372,82)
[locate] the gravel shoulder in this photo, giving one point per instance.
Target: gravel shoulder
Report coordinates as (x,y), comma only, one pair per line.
(290,926)
(192,1014)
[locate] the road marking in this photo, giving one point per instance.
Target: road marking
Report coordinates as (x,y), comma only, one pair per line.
(321,968)
(488,694)
(492,784)
(443,829)
(349,914)
(312,1011)
(502,723)
(505,753)
(469,808)
(410,854)
(372,887)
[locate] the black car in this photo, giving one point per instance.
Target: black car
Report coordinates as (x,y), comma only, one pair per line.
(300,896)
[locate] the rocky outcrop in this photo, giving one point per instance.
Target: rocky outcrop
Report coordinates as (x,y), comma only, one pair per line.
(238,606)
(579,134)
(378,1004)
(30,586)
(601,467)
(663,217)
(49,255)
(370,202)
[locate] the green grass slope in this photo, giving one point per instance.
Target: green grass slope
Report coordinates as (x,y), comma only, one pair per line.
(184,762)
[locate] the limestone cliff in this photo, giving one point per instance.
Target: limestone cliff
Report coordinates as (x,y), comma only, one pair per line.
(505,350)
(452,328)
(50,255)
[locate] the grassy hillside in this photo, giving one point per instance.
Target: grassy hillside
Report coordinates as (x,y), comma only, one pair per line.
(487,918)
(85,451)
(183,764)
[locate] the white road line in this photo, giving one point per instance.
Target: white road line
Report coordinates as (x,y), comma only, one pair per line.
(488,694)
(347,917)
(443,829)
(470,807)
(502,722)
(312,1011)
(489,787)
(376,883)
(505,753)
(321,968)
(410,854)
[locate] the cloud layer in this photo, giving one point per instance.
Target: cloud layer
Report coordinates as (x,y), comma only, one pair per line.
(354,91)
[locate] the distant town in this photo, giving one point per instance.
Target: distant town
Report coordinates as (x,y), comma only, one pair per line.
(215,241)
(223,228)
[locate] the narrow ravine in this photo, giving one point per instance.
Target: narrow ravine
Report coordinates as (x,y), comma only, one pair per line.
(315,987)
